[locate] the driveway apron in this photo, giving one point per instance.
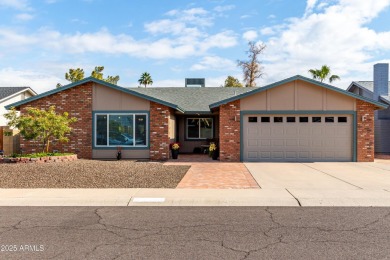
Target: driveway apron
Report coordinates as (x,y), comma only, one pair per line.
(295,176)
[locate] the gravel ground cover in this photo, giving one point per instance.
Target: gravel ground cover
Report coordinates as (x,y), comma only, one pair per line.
(92,174)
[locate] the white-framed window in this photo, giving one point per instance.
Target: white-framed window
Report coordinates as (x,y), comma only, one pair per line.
(199,128)
(121,129)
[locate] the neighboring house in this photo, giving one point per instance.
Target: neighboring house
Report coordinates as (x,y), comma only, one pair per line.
(9,95)
(378,89)
(9,140)
(296,119)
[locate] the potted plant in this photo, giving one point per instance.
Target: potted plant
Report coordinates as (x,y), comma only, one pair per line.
(213,151)
(175,149)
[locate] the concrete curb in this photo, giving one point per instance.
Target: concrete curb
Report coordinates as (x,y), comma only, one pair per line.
(194,197)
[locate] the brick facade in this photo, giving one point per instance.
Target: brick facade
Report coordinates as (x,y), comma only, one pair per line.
(77,101)
(229,132)
(365,131)
(159,127)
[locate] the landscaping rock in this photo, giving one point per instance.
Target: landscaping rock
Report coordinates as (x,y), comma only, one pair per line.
(90,174)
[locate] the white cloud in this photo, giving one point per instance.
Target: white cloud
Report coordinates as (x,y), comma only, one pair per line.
(310,4)
(15,4)
(250,35)
(337,36)
(24,17)
(105,42)
(214,63)
(245,16)
(38,81)
(165,26)
(224,8)
(267,31)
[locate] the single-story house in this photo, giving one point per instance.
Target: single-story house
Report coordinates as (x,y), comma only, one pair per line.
(296,119)
(9,95)
(378,89)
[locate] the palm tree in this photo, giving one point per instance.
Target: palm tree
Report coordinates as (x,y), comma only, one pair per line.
(322,74)
(145,79)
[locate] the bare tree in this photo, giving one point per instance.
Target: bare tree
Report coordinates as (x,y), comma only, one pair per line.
(252,68)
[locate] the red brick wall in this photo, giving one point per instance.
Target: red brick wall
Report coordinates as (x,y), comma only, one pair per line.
(77,102)
(365,131)
(159,138)
(229,132)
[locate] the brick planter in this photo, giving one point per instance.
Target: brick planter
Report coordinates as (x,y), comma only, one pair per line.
(47,159)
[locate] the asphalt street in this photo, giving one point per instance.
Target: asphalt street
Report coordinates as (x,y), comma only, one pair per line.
(194,233)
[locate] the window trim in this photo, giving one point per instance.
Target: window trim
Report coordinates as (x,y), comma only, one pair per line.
(120,113)
(199,138)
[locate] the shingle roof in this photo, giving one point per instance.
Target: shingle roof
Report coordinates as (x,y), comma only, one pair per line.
(8,91)
(188,100)
(369,85)
(192,99)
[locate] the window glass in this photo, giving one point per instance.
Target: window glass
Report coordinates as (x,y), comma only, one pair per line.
(303,119)
(342,119)
(265,119)
(206,128)
(140,130)
(101,130)
(192,128)
(291,119)
(121,130)
(199,128)
(252,119)
(329,119)
(278,119)
(316,119)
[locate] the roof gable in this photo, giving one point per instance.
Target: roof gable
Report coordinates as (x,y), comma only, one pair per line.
(298,77)
(101,82)
(6,92)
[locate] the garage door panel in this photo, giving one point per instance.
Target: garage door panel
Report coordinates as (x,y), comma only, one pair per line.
(316,142)
(316,155)
(265,142)
(253,130)
(291,155)
(278,155)
(304,143)
(265,132)
(291,142)
(291,130)
(304,155)
(304,131)
(277,131)
(298,141)
(252,155)
(278,142)
(252,142)
(265,155)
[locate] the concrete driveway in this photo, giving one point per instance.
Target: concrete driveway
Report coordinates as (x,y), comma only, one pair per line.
(328,184)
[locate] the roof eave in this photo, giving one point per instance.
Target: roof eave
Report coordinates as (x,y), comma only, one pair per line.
(298,77)
(91,79)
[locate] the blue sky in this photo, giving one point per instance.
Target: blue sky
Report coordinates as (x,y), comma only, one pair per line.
(41,39)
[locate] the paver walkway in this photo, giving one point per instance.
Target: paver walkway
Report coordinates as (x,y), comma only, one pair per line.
(216,175)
